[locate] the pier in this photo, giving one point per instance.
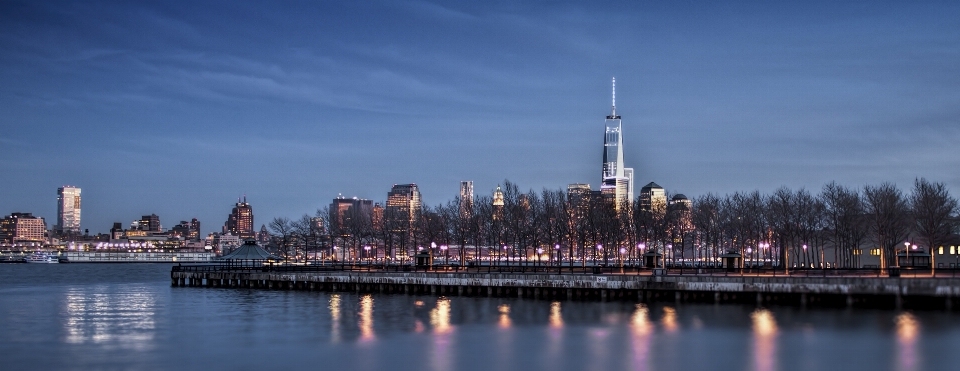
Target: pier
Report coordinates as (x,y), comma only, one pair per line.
(835,291)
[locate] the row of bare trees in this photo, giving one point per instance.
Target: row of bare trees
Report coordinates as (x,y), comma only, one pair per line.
(834,227)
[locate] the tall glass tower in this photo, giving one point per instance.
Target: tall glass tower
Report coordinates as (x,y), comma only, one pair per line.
(68,209)
(616,180)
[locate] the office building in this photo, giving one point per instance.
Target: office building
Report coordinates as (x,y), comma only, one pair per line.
(343,210)
(22,228)
(68,210)
(187,230)
(466,198)
(403,203)
(150,223)
(653,198)
(616,180)
(240,221)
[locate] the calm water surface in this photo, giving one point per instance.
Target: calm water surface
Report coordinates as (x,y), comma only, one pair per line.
(126,316)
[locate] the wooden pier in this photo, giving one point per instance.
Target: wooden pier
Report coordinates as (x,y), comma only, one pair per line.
(875,292)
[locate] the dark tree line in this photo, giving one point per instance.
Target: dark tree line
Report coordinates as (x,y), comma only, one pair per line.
(835,227)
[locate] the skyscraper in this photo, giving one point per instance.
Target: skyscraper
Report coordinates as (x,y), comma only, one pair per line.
(616,180)
(466,198)
(653,198)
(68,210)
(403,205)
(240,221)
(403,202)
(150,223)
(343,210)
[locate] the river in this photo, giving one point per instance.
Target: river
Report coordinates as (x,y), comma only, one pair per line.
(127,316)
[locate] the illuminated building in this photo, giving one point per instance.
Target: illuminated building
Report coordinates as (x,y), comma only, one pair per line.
(188,230)
(653,197)
(150,223)
(681,200)
(377,217)
(263,237)
(343,209)
(68,210)
(498,203)
(240,221)
(616,180)
(403,202)
(466,198)
(22,227)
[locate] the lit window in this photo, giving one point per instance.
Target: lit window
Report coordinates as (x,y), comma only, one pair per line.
(953,250)
(940,250)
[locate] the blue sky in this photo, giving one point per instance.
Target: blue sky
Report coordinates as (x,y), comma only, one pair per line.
(178,108)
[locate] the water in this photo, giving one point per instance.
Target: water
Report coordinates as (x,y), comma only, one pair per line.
(126,316)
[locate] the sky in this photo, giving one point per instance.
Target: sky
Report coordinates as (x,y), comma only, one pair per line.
(178,108)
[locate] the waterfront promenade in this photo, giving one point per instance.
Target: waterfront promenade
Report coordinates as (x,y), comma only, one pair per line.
(853,289)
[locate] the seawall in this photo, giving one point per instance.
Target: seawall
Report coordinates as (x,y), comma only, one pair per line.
(884,292)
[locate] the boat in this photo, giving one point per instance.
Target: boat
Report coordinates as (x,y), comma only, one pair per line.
(40,257)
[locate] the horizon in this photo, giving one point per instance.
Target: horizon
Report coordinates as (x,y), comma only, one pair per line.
(177,109)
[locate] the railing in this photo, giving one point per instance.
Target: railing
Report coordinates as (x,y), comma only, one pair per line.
(576,270)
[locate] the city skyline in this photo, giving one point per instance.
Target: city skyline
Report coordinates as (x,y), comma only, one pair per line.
(153,109)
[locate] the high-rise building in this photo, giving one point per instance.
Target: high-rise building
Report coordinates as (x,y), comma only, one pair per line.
(466,198)
(22,227)
(240,221)
(150,223)
(377,217)
(403,202)
(195,229)
(343,210)
(263,237)
(498,203)
(653,198)
(616,179)
(68,210)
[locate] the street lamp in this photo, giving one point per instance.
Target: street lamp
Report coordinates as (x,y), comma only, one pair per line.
(907,250)
(559,258)
(640,247)
(367,252)
(445,256)
(539,253)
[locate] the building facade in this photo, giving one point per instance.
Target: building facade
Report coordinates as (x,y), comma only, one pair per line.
(68,210)
(23,227)
(403,203)
(466,198)
(240,221)
(653,198)
(616,179)
(344,210)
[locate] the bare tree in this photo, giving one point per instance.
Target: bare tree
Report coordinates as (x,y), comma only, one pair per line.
(282,230)
(932,208)
(706,219)
(889,223)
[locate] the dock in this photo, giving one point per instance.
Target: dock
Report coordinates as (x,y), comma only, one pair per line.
(842,291)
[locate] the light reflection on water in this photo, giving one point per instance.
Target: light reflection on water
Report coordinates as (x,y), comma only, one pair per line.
(504,322)
(334,317)
(366,318)
(908,331)
(641,329)
(764,340)
(98,316)
(138,321)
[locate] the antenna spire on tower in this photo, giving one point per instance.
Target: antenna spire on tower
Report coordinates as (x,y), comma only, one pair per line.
(613,111)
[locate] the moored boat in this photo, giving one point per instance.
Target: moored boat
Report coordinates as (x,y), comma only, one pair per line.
(40,257)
